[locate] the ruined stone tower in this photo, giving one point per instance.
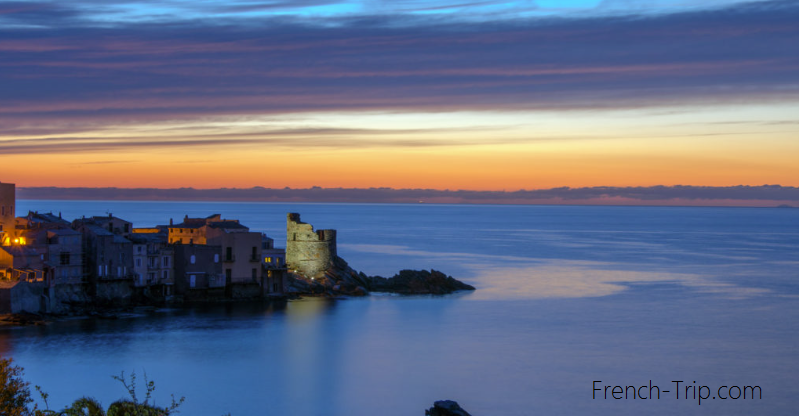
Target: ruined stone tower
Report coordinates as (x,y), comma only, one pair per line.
(7,202)
(308,252)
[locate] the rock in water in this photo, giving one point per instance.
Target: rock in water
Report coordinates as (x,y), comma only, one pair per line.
(446,408)
(418,282)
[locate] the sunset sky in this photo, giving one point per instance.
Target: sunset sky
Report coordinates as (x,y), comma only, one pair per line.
(444,94)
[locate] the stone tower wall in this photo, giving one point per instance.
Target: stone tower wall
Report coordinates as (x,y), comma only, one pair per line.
(308,252)
(7,207)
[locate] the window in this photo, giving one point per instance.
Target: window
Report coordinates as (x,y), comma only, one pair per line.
(138,249)
(64,259)
(119,271)
(216,258)
(193,259)
(3,213)
(229,253)
(138,262)
(100,270)
(267,259)
(254,274)
(228,274)
(166,274)
(165,262)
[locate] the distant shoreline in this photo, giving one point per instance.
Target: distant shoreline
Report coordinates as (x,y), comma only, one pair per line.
(677,196)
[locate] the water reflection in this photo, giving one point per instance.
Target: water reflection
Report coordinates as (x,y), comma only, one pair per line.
(576,279)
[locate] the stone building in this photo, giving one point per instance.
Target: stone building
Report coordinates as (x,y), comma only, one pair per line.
(21,262)
(7,206)
(153,263)
(194,230)
(58,244)
(64,258)
(108,256)
(241,251)
(241,248)
(198,268)
(273,257)
(309,253)
(112,224)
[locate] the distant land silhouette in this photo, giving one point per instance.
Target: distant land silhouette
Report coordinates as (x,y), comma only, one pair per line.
(754,196)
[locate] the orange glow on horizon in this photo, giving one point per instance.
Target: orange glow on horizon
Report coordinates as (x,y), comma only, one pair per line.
(441,151)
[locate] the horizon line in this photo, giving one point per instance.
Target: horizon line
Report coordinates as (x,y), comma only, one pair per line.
(657,195)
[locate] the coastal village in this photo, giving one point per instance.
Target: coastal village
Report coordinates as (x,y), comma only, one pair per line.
(51,265)
(48,263)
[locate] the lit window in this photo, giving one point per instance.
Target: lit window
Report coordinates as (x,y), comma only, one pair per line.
(194,259)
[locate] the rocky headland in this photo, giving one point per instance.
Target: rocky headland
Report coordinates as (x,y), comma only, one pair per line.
(342,280)
(446,408)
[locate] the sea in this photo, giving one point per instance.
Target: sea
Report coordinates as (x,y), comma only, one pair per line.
(688,310)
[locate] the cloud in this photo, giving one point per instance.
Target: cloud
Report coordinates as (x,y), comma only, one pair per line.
(295,138)
(197,68)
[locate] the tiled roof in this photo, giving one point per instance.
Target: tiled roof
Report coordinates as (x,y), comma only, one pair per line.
(63,231)
(147,238)
(227,225)
(119,239)
(98,230)
(20,250)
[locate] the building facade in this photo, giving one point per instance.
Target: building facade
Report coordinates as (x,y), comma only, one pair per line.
(197,268)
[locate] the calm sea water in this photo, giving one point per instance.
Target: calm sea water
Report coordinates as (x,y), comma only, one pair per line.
(566,296)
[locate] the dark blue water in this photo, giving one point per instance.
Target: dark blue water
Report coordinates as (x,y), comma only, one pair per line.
(566,296)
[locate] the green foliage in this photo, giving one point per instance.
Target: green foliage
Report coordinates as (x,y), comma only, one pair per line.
(85,406)
(15,398)
(15,394)
(135,408)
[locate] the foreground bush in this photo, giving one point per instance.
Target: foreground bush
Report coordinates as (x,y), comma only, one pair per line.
(15,398)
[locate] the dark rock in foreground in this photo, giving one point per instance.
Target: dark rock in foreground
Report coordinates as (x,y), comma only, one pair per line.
(446,408)
(341,279)
(416,282)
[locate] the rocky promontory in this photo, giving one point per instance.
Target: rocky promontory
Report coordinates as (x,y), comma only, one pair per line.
(446,408)
(341,279)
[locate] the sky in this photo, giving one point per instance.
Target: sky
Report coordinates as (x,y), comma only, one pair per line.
(470,94)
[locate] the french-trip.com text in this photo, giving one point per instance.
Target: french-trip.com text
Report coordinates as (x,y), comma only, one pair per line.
(676,389)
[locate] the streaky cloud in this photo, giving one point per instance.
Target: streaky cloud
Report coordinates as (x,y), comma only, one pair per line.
(197,69)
